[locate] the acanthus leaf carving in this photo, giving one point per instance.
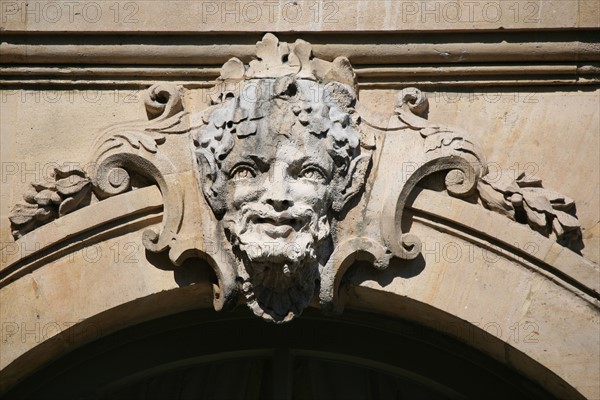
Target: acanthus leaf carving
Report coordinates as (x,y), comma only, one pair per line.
(47,201)
(525,200)
(133,149)
(282,153)
(277,191)
(437,149)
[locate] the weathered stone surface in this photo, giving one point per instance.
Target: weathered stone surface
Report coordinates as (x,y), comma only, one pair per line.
(280,154)
(387,197)
(296,16)
(277,169)
(46,201)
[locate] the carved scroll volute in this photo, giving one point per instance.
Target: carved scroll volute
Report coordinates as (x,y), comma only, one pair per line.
(441,149)
(225,290)
(162,101)
(135,151)
(132,150)
(199,237)
(347,253)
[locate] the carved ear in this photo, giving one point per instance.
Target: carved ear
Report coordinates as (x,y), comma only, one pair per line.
(210,183)
(353,183)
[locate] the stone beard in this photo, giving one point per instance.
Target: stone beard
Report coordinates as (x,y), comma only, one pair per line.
(278,161)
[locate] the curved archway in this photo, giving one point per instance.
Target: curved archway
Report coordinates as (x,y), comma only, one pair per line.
(235,356)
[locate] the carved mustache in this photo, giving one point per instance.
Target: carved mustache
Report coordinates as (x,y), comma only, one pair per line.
(297,217)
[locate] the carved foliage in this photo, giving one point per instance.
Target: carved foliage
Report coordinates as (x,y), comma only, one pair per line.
(279,165)
(278,59)
(122,151)
(525,200)
(282,151)
(47,201)
(440,149)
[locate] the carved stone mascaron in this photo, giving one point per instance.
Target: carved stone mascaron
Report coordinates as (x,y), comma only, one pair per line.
(270,170)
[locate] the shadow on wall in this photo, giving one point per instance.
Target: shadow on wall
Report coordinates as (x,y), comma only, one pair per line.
(363,271)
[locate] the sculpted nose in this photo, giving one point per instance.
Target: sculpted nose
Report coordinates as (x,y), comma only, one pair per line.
(279,204)
(278,196)
(277,193)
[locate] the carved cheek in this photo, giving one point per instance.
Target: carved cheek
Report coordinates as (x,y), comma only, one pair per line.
(247,190)
(315,194)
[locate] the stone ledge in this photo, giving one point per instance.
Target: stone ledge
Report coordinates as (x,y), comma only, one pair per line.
(91,217)
(369,76)
(560,263)
(393,48)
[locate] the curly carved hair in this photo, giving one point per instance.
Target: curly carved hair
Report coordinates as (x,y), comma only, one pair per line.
(302,106)
(323,110)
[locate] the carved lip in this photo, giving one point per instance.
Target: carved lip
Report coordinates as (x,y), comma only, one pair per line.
(277,226)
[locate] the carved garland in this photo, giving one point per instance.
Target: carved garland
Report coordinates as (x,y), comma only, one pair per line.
(133,155)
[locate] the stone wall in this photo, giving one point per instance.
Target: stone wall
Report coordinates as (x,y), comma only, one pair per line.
(519,79)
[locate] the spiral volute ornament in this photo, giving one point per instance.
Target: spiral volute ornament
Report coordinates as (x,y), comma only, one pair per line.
(162,100)
(415,100)
(111,178)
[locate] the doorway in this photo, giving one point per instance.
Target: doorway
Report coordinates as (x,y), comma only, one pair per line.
(207,355)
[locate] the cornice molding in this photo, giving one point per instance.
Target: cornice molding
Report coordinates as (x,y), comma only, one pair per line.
(390,60)
(365,49)
(288,95)
(389,76)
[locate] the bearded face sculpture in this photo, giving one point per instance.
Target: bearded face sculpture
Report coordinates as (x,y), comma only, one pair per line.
(280,160)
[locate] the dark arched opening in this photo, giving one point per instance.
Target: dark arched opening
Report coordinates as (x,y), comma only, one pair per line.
(205,355)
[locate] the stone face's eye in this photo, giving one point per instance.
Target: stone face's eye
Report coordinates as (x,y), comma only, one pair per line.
(242,172)
(313,174)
